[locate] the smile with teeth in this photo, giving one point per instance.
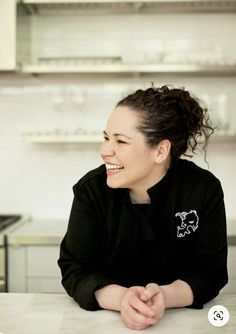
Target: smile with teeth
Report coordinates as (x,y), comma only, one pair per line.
(112,169)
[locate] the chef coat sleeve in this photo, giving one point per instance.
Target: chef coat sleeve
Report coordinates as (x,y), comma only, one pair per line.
(80,253)
(209,271)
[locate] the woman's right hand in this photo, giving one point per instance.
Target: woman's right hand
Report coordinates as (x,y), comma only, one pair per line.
(135,313)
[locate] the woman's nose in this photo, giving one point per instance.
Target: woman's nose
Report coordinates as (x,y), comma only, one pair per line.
(107,149)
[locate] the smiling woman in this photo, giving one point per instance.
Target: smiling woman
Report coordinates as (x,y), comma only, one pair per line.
(147,229)
(138,165)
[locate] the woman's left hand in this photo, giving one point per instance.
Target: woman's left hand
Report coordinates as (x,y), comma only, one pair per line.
(154,297)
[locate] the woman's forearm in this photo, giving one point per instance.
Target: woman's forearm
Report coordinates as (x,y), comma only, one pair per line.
(109,296)
(177,294)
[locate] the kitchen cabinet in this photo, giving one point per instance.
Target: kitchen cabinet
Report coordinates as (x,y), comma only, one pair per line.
(33,251)
(34,269)
(49,56)
(7,35)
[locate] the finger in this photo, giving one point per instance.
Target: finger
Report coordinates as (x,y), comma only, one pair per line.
(151,290)
(134,325)
(130,324)
(149,302)
(158,306)
(158,302)
(134,319)
(141,307)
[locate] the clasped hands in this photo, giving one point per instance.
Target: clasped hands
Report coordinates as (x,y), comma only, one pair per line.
(141,307)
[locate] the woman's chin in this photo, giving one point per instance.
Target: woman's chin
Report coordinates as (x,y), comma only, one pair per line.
(114,183)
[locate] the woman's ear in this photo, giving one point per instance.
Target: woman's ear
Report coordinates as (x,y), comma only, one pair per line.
(162,151)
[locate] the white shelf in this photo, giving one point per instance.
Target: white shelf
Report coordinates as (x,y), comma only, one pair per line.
(63,139)
(222,138)
(77,7)
(96,139)
(194,5)
(68,2)
(131,68)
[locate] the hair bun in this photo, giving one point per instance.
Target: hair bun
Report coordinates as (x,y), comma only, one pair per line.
(173,114)
(187,108)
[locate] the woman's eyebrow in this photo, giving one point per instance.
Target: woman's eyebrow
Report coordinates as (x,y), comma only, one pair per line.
(117,134)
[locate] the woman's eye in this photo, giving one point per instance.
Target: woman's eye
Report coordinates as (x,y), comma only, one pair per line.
(121,141)
(105,138)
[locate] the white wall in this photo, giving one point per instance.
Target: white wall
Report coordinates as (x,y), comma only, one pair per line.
(38,178)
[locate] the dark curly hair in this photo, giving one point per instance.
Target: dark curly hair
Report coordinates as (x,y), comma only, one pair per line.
(173,114)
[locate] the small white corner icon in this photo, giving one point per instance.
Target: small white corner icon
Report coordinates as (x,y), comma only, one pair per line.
(218,315)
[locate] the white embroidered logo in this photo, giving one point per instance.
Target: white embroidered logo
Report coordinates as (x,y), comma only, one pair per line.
(189,221)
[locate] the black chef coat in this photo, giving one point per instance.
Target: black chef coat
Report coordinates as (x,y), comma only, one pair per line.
(181,234)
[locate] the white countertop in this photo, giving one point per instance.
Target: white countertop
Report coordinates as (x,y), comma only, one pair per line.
(39,232)
(59,314)
(16,226)
(51,232)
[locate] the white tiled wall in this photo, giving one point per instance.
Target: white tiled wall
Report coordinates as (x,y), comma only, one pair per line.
(38,178)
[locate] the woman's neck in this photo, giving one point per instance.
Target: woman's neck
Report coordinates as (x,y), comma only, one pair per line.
(139,194)
(139,197)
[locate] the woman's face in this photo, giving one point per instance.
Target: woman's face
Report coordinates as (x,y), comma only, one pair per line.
(130,162)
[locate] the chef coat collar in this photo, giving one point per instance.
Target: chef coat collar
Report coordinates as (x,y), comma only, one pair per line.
(157,188)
